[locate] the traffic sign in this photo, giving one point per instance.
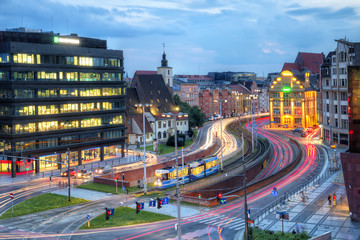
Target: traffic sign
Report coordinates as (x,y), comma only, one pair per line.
(275,193)
(88,217)
(223,201)
(165,201)
(11,195)
(152,203)
(123,188)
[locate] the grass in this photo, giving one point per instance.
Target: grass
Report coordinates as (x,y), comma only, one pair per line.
(256,233)
(41,203)
(125,216)
(109,188)
(165,149)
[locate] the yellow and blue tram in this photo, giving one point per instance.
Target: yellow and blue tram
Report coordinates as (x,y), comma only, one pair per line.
(166,177)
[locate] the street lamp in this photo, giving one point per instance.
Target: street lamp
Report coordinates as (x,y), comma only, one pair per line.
(143,113)
(221,130)
(251,98)
(180,114)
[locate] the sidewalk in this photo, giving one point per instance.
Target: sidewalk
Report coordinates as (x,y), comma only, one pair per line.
(314,215)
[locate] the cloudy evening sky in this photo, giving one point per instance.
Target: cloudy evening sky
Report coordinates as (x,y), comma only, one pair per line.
(200,35)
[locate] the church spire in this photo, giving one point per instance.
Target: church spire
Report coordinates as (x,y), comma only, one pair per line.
(164,61)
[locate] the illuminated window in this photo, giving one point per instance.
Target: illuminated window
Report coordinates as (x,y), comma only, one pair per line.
(91,122)
(276,111)
(85,61)
(23,93)
(287,111)
(111,91)
(23,58)
(46,93)
(69,92)
(298,120)
(4,58)
(110,76)
(48,126)
(46,75)
(25,110)
(67,108)
(25,128)
(68,76)
(48,109)
(90,92)
(38,59)
(107,105)
(68,124)
(116,120)
(23,76)
(4,76)
(87,107)
(86,77)
(277,120)
(287,120)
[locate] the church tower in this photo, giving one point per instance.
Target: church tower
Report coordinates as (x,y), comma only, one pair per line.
(166,71)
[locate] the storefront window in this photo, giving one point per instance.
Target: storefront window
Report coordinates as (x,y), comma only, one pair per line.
(110,152)
(48,126)
(5,166)
(25,110)
(92,154)
(48,109)
(50,163)
(72,156)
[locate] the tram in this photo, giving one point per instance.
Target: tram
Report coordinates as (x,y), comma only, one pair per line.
(166,177)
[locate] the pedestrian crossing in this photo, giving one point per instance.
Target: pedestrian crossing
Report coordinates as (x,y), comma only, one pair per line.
(235,223)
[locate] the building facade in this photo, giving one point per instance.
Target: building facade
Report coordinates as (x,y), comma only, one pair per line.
(62,99)
(334,91)
(292,102)
(189,93)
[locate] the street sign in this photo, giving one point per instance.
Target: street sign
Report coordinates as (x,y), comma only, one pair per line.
(275,193)
(223,201)
(152,203)
(88,217)
(123,188)
(11,195)
(165,201)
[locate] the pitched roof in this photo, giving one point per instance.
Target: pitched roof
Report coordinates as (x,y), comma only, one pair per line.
(310,61)
(145,72)
(290,66)
(240,88)
(139,121)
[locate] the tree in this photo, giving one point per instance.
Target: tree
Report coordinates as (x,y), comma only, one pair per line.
(180,140)
(196,117)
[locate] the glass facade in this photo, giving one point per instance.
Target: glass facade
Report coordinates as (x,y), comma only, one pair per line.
(46,99)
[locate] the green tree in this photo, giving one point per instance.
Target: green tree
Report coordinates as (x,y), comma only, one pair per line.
(196,117)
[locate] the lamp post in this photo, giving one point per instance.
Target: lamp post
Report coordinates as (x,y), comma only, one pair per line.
(251,98)
(68,157)
(143,113)
(180,114)
(221,130)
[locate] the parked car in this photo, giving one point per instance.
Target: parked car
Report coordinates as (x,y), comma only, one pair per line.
(84,174)
(65,173)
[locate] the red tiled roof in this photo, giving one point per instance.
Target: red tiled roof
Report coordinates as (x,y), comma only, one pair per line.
(311,61)
(145,72)
(240,88)
(290,66)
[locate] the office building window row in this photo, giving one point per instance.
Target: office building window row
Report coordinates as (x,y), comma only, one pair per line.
(23,128)
(29,58)
(61,92)
(32,110)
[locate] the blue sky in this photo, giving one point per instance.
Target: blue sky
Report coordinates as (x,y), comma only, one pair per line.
(200,35)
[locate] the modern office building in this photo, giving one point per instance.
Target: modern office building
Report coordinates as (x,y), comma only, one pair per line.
(292,102)
(62,99)
(334,91)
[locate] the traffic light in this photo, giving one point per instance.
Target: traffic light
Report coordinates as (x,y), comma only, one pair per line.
(218,198)
(138,207)
(107,214)
(159,203)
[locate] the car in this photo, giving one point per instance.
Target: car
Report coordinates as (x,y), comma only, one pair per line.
(84,174)
(65,173)
(108,169)
(310,129)
(211,118)
(304,134)
(298,130)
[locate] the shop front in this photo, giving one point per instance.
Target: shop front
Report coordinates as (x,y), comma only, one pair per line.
(90,155)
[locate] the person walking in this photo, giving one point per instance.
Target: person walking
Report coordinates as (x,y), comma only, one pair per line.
(329,199)
(334,199)
(297,228)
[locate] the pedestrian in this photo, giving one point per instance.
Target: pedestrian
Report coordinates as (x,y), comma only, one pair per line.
(297,228)
(329,199)
(293,231)
(334,199)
